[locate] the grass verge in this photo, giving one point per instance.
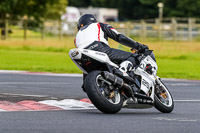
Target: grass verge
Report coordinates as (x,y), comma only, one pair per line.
(175,59)
(37,61)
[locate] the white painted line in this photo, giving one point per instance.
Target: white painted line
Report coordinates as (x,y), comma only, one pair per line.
(23,95)
(10,71)
(64,75)
(35,83)
(41,73)
(69,104)
(188,120)
(175,119)
(181,80)
(187,100)
(180,84)
(2,110)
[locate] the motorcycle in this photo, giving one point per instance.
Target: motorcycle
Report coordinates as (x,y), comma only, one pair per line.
(109,91)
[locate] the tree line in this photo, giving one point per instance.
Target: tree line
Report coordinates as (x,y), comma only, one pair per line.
(144,9)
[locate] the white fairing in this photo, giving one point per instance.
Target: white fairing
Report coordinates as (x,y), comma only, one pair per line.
(147,80)
(99,56)
(88,35)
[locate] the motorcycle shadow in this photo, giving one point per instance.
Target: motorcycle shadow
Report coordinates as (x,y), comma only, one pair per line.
(124,112)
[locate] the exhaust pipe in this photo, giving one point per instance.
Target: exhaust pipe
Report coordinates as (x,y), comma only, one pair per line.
(117,81)
(113,79)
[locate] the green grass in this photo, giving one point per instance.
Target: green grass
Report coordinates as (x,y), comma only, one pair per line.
(185,66)
(18,32)
(37,61)
(175,68)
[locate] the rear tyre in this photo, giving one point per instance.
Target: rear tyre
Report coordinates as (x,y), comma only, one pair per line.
(97,89)
(163,99)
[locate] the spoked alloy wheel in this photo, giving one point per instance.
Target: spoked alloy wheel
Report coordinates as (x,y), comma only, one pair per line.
(163,99)
(106,99)
(112,96)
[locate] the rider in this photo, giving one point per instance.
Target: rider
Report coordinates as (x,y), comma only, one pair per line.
(94,35)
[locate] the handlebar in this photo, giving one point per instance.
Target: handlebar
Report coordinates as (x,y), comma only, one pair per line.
(143,54)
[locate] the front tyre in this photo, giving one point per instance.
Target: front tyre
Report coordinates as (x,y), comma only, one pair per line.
(98,90)
(163,98)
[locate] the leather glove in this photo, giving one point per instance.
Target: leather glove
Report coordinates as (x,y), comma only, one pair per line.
(142,48)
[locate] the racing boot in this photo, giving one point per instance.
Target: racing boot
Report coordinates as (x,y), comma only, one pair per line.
(125,67)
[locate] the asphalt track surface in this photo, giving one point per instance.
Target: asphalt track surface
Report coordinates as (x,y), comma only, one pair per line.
(15,87)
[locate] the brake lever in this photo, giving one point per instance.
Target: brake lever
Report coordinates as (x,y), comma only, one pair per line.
(135,51)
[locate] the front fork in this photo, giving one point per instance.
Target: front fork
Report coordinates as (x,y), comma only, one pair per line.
(157,79)
(159,90)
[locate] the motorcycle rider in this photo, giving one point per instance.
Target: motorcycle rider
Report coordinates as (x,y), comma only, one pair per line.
(94,35)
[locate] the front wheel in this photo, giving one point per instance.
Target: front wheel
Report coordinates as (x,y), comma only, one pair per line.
(163,98)
(100,92)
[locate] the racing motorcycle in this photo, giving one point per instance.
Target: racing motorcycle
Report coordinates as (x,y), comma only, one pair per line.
(110,91)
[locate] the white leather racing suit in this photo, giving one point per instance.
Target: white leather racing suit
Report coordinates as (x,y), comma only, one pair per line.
(95,36)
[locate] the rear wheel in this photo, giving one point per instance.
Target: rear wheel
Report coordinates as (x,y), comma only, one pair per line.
(102,94)
(163,98)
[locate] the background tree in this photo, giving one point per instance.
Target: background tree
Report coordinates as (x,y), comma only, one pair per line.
(79,3)
(37,9)
(32,8)
(55,9)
